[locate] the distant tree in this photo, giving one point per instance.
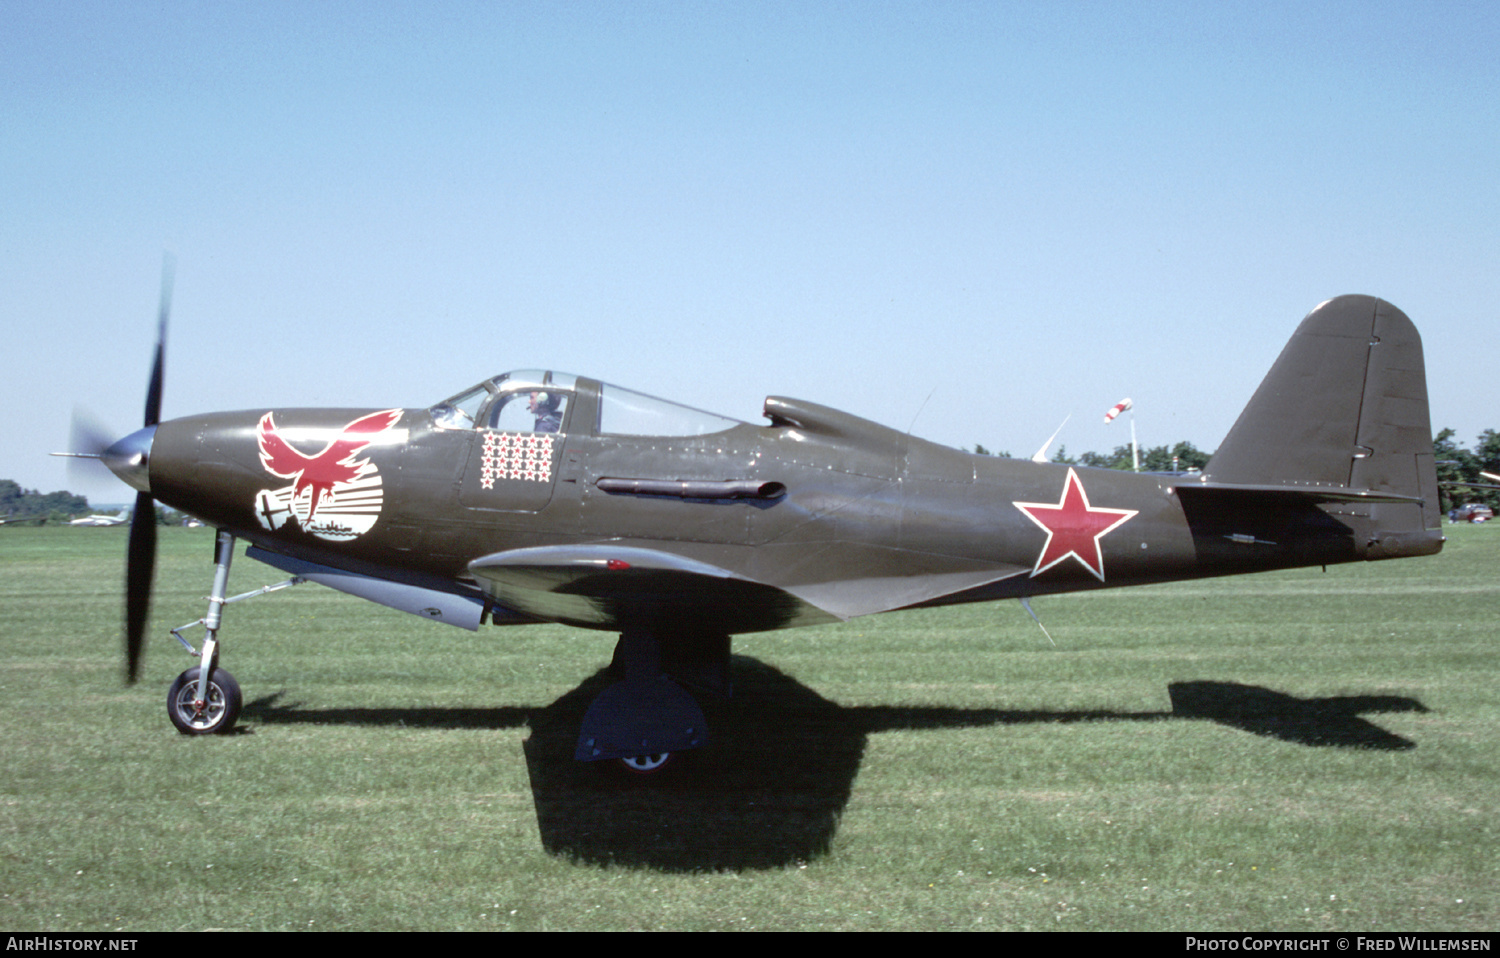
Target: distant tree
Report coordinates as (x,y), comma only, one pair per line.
(1487,451)
(1119,458)
(17,501)
(980,450)
(10,495)
(1179,458)
(1190,456)
(1454,464)
(1486,456)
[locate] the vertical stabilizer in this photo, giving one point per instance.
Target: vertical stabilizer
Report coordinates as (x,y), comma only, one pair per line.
(1343,408)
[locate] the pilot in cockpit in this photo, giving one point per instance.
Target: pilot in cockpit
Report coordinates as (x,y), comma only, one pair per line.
(545,407)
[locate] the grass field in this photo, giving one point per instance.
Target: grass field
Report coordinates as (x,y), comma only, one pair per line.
(1300,751)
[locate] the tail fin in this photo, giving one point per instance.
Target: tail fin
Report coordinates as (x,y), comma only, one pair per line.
(1342,415)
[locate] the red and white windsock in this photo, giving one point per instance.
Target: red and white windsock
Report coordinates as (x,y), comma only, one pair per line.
(1116,409)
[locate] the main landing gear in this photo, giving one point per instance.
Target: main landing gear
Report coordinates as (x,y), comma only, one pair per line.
(647,718)
(206,700)
(646,764)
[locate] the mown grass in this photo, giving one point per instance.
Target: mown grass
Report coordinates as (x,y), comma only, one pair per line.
(1289,751)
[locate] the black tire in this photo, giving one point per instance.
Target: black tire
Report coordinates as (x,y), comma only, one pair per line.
(220,713)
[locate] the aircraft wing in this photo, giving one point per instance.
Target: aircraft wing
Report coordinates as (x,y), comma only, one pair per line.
(618,586)
(452,606)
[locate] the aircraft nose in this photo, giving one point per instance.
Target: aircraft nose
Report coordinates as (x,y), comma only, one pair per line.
(130,458)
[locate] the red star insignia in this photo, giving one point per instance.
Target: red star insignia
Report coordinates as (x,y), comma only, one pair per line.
(1074,528)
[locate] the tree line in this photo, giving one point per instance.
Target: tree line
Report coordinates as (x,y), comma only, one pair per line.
(1181,457)
(19,503)
(1455,464)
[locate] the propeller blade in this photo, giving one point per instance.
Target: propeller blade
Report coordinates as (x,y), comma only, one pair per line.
(88,438)
(164,310)
(140,566)
(140,556)
(86,442)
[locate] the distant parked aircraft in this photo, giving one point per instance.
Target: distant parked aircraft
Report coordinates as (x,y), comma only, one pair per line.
(116,520)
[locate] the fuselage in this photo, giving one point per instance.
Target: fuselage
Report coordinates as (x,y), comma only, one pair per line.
(850,516)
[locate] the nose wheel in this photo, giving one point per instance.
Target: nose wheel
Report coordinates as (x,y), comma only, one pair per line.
(214,713)
(195,706)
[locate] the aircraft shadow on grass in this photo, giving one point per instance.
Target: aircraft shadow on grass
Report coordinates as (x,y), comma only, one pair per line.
(772,790)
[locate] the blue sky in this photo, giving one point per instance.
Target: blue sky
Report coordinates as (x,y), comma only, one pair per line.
(971,220)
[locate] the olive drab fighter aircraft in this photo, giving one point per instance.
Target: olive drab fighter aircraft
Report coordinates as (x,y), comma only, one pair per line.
(539,496)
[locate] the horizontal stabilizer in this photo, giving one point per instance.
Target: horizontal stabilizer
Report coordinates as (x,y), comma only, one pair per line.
(1304,493)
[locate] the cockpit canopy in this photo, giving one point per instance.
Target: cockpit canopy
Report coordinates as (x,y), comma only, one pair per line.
(534,400)
(510,402)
